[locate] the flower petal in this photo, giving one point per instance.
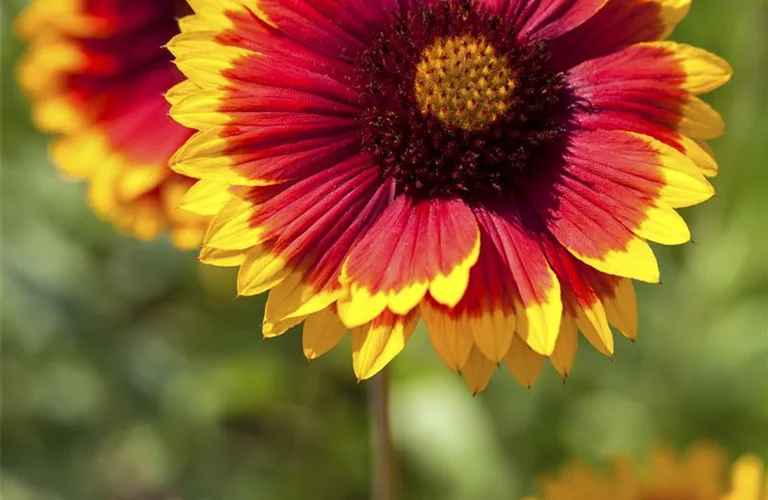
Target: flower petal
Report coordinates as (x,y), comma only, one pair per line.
(584,290)
(477,371)
(295,296)
(486,313)
(547,19)
(619,24)
(649,89)
(334,27)
(485,316)
(374,345)
(493,332)
(539,307)
(621,307)
(223,258)
(322,332)
(450,334)
(413,248)
(311,226)
(564,355)
(260,271)
(272,330)
(231,229)
(593,323)
(524,364)
(611,186)
(701,154)
(217,14)
(265,155)
(206,197)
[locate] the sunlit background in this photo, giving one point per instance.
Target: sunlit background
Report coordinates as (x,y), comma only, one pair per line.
(129,372)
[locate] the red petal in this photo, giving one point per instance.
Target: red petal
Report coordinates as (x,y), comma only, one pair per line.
(334,28)
(516,239)
(414,247)
(619,24)
(642,89)
(548,19)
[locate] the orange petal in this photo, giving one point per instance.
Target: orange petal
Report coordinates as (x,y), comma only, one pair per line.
(450,334)
(564,355)
(477,371)
(524,364)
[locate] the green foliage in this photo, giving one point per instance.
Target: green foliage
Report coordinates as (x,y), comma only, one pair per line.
(131,373)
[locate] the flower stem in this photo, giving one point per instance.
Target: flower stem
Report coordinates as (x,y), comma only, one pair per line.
(383,472)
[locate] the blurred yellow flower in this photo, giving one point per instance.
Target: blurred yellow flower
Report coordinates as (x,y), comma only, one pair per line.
(96,72)
(701,474)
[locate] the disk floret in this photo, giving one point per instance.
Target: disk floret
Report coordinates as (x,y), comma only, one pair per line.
(463,82)
(457,105)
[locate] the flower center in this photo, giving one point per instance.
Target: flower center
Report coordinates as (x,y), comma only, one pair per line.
(456,104)
(463,82)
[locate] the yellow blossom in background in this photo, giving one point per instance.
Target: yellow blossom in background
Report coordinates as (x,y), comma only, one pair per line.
(701,474)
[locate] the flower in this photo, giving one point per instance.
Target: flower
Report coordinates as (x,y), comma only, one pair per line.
(96,72)
(496,167)
(700,475)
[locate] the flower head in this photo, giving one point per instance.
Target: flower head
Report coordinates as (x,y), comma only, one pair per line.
(496,167)
(96,71)
(700,475)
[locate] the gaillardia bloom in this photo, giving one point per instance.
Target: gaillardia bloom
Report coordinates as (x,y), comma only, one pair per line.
(96,71)
(700,475)
(496,167)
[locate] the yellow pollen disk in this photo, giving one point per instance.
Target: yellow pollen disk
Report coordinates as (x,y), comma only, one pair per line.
(463,82)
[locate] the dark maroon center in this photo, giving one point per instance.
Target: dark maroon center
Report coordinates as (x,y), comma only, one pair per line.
(456,105)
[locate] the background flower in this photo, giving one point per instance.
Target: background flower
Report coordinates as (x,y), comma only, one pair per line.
(97,72)
(701,474)
(129,373)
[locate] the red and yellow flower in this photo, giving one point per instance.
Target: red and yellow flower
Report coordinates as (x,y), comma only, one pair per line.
(96,71)
(496,167)
(702,474)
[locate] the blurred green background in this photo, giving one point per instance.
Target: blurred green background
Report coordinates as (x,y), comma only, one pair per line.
(131,373)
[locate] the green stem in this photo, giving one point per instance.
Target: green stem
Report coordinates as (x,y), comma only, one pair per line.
(384,473)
